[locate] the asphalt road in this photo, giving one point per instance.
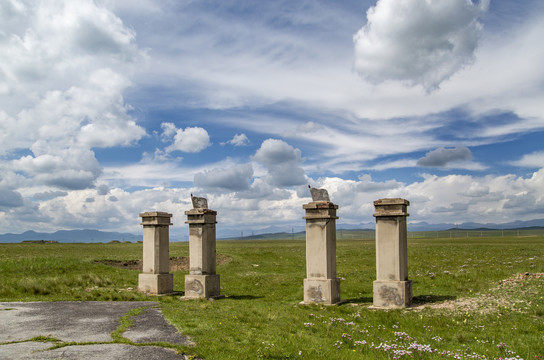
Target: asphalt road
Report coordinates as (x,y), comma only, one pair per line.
(85,327)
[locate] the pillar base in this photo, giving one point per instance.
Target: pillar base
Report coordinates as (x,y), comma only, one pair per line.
(392,294)
(156,283)
(202,286)
(322,291)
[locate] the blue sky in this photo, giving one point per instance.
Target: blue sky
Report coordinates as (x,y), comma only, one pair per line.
(110,108)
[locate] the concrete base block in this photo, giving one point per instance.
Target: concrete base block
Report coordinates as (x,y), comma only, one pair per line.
(392,294)
(322,291)
(156,283)
(202,286)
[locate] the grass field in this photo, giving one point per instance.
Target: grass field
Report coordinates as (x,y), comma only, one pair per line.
(475,297)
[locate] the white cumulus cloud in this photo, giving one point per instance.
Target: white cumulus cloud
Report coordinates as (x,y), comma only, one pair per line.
(64,66)
(69,168)
(190,139)
(235,178)
(168,131)
(284,163)
(418,42)
(238,140)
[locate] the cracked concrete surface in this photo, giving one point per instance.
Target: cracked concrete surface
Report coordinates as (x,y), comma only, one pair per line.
(89,326)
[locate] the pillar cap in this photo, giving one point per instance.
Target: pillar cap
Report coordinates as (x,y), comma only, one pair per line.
(200,211)
(320,205)
(320,210)
(201,216)
(391,201)
(391,207)
(155,218)
(155,214)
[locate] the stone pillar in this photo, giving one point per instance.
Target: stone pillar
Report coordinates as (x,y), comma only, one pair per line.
(202,281)
(321,285)
(156,278)
(392,289)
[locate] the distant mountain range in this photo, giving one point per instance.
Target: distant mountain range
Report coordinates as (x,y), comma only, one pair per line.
(94,236)
(287,232)
(514,225)
(71,236)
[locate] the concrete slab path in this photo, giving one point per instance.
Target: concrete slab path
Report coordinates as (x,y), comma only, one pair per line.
(85,328)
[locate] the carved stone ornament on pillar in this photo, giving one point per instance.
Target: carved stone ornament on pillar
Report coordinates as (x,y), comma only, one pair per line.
(392,289)
(202,281)
(155,278)
(321,285)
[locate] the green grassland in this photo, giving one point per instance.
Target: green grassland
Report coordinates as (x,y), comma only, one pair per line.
(475,297)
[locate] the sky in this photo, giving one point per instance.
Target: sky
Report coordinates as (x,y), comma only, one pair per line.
(110,108)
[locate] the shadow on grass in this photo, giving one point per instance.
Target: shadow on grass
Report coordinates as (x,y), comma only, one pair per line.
(361,300)
(243,297)
(421,299)
(425,299)
(174,294)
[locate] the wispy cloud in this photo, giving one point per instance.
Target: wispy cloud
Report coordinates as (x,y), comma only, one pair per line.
(532,160)
(397,164)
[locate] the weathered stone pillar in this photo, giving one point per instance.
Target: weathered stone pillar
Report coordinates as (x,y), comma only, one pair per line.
(392,289)
(202,281)
(321,285)
(156,278)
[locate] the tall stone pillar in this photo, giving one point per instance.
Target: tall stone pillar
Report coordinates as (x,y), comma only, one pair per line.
(321,285)
(156,278)
(392,289)
(202,281)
